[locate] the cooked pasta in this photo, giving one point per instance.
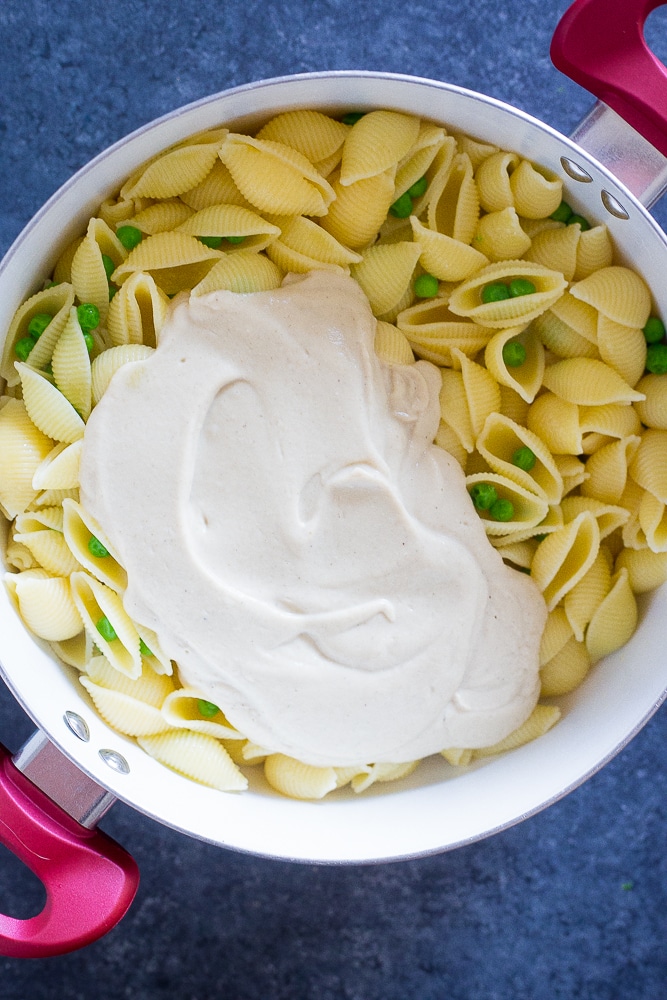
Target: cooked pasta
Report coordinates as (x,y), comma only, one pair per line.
(545,397)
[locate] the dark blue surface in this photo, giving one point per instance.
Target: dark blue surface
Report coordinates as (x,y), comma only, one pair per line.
(569,904)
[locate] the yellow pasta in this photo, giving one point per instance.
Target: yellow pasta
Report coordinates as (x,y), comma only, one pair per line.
(46,606)
(607,470)
(493,181)
(88,273)
(564,556)
(582,601)
(652,410)
(160,217)
(588,382)
(653,522)
(648,467)
(594,251)
(623,348)
(231,221)
(106,364)
(60,468)
(56,302)
(646,569)
(536,192)
(610,517)
(137,311)
(419,157)
(303,246)
(378,141)
(297,780)
(71,366)
(48,409)
(355,216)
(245,271)
(444,257)
(181,709)
(99,605)
(499,236)
(466,299)
(528,509)
(556,248)
(453,205)
(174,260)
(618,293)
(23,447)
(78,529)
(499,442)
(316,135)
(539,722)
(391,345)
(175,171)
(385,273)
(125,713)
(526,378)
(565,670)
(433,332)
(614,621)
(197,756)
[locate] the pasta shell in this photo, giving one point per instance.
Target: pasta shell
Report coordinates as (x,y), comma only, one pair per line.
(561,339)
(499,236)
(242,272)
(579,316)
(443,257)
(76,652)
(648,467)
(566,670)
(608,469)
(529,509)
(653,521)
(572,470)
(49,410)
(197,756)
(453,206)
(79,528)
(150,687)
(564,557)
(536,192)
(556,248)
(161,217)
(89,276)
(381,772)
(419,157)
(615,619)
(391,345)
(622,348)
(124,713)
(493,181)
(378,141)
(106,364)
(297,780)
(137,311)
(652,410)
(175,171)
(60,468)
(231,220)
(556,422)
(618,293)
(174,260)
(481,390)
(23,447)
(594,251)
(588,382)
(71,366)
(46,606)
(274,177)
(355,216)
(95,601)
(525,379)
(498,443)
(316,135)
(433,331)
(646,569)
(180,709)
(56,301)
(556,635)
(581,602)
(611,420)
(217,188)
(447,439)
(385,273)
(49,550)
(609,516)
(466,299)
(310,246)
(476,149)
(512,405)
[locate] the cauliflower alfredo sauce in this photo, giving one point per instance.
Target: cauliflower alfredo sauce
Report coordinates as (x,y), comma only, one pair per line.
(298,544)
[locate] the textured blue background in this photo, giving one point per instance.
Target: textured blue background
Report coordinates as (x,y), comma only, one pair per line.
(572,902)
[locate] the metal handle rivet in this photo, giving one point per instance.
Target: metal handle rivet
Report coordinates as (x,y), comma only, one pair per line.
(115,761)
(613,206)
(77,725)
(574,171)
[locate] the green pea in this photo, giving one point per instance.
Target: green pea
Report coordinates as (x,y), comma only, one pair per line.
(563,213)
(109,266)
(96,548)
(483,495)
(495,292)
(656,359)
(521,286)
(584,223)
(207,708)
(402,207)
(418,188)
(352,117)
(426,286)
(23,347)
(90,343)
(654,331)
(235,239)
(129,236)
(38,324)
(524,458)
(502,510)
(514,354)
(106,629)
(88,315)
(143,648)
(211,241)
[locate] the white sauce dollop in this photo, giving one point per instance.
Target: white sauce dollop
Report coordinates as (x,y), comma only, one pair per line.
(306,554)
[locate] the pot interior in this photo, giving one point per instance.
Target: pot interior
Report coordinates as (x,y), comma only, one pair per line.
(437,807)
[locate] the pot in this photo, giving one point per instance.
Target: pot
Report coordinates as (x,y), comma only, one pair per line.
(55,790)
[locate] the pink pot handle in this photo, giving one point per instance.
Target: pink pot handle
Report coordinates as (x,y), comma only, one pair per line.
(90,880)
(600,45)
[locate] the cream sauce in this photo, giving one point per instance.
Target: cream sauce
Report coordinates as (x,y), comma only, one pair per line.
(305,553)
